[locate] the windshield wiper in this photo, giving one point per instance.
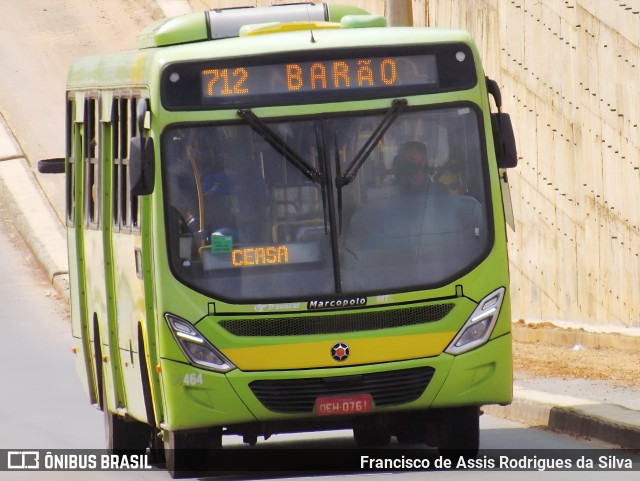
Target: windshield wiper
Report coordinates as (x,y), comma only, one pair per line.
(397,106)
(279,144)
(329,208)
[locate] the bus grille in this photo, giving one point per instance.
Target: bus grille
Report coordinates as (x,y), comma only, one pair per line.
(386,388)
(309,325)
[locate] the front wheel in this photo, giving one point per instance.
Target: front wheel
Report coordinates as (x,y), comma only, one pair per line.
(368,436)
(459,432)
(124,435)
(186,452)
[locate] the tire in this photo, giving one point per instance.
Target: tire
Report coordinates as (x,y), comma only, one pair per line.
(146,380)
(410,434)
(371,436)
(156,448)
(124,436)
(185,452)
(459,432)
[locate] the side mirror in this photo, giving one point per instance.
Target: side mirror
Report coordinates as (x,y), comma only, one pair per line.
(504,141)
(141,157)
(494,90)
(141,165)
(51,166)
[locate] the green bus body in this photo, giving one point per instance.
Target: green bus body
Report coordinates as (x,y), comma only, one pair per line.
(131,298)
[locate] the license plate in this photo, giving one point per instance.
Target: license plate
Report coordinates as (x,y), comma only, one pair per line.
(336,405)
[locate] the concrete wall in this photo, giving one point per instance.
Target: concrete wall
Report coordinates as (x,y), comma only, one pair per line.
(570,74)
(570,77)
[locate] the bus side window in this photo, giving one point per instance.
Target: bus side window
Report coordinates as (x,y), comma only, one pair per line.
(134,201)
(123,212)
(117,163)
(126,213)
(91,150)
(70,184)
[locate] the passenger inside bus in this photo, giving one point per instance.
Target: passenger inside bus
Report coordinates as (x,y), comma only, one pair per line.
(215,187)
(413,171)
(182,180)
(238,180)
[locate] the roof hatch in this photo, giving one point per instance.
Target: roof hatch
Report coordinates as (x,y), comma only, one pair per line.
(227,22)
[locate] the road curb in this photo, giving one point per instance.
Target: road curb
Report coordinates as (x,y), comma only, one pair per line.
(610,423)
(31,212)
(9,148)
(598,425)
(623,339)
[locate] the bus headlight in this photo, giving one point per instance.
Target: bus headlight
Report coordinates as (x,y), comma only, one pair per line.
(479,326)
(196,347)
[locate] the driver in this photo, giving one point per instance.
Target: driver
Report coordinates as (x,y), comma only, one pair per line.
(415,174)
(411,168)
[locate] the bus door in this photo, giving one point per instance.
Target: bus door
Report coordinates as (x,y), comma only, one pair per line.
(94,265)
(127,288)
(81,328)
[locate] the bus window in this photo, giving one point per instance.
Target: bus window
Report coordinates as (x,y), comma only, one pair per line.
(70,184)
(91,139)
(125,207)
(134,201)
(119,149)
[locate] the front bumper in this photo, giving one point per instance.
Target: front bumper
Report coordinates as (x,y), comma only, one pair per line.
(196,398)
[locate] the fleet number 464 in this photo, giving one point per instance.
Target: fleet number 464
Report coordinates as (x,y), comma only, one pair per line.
(192,379)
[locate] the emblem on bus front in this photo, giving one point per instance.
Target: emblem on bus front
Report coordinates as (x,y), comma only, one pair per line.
(340,352)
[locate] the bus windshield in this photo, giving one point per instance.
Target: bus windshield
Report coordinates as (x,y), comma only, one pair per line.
(264,211)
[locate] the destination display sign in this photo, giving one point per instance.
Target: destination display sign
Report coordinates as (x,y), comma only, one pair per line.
(316,77)
(221,257)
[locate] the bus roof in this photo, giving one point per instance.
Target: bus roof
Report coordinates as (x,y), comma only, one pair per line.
(137,68)
(227,22)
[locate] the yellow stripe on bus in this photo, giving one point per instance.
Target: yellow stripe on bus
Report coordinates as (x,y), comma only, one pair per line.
(318,354)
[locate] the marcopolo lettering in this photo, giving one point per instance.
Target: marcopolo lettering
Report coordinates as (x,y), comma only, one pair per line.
(337,303)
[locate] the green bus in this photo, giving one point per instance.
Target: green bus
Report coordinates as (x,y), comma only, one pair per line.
(288,219)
